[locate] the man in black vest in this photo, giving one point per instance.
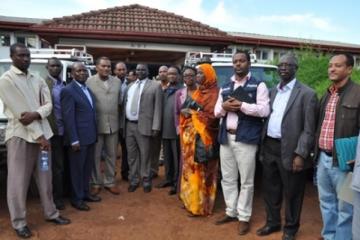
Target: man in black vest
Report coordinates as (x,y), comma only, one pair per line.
(242,104)
(288,138)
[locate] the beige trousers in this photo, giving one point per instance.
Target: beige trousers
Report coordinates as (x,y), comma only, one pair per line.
(22,162)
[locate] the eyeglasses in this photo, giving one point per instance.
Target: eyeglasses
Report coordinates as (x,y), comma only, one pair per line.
(285,65)
(188,75)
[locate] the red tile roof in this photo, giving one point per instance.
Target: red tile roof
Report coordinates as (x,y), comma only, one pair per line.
(133,20)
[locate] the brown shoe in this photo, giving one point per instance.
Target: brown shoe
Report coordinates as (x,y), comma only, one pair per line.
(114,190)
(95,191)
(225,219)
(243,227)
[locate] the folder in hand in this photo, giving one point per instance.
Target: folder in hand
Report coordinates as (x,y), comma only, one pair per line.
(345,151)
(241,95)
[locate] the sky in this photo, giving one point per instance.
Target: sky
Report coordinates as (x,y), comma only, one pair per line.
(310,19)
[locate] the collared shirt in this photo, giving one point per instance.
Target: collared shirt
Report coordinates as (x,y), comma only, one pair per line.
(258,109)
(278,109)
(326,139)
(130,94)
(85,89)
(58,85)
(123,86)
(20,93)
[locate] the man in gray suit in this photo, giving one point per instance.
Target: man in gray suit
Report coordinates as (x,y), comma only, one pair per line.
(106,89)
(288,139)
(142,121)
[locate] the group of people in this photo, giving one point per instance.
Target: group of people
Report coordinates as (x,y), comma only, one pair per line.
(204,130)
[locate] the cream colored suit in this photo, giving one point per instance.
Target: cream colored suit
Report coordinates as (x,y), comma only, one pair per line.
(107,97)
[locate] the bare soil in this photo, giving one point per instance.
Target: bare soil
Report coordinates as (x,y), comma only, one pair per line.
(151,216)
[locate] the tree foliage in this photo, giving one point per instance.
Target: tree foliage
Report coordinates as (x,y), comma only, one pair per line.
(313,67)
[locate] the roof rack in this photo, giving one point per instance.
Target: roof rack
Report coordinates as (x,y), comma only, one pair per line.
(64,54)
(194,58)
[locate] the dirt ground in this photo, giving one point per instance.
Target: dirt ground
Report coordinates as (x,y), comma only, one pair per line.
(150,216)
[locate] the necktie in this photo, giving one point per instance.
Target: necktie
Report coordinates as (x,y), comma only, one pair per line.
(135,99)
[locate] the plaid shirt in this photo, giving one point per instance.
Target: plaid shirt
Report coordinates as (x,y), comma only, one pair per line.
(326,139)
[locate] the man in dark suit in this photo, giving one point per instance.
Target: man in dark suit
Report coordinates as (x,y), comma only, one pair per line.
(78,111)
(56,84)
(142,120)
(288,139)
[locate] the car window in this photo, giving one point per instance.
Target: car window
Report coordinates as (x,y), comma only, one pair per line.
(267,74)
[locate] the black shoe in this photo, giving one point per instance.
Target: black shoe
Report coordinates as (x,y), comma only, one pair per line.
(81,206)
(226,219)
(92,198)
(132,188)
(60,220)
(147,189)
(23,232)
(164,184)
(266,230)
(286,236)
(172,191)
(59,205)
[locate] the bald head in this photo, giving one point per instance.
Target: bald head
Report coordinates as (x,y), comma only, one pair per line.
(79,72)
(287,67)
(120,70)
(163,73)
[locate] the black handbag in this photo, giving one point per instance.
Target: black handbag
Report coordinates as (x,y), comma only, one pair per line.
(203,154)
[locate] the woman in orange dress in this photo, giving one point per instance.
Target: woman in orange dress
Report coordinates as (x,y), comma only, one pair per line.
(198,180)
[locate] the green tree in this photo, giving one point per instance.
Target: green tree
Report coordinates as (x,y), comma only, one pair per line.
(313,67)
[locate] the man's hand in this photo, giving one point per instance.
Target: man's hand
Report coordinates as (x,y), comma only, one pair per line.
(155,133)
(231,105)
(44,143)
(75,147)
(298,164)
(28,117)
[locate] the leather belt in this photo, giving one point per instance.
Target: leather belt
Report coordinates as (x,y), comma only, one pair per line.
(231,131)
(274,139)
(328,153)
(132,121)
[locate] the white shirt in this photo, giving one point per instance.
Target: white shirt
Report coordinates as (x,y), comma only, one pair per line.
(130,94)
(278,109)
(86,92)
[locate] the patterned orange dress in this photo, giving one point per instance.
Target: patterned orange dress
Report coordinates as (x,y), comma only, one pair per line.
(198,181)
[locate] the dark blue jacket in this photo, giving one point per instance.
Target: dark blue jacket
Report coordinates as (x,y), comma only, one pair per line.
(78,115)
(249,128)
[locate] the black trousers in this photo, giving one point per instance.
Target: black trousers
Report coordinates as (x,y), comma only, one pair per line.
(279,182)
(124,160)
(58,151)
(171,149)
(81,166)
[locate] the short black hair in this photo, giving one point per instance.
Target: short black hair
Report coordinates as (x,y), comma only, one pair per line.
(349,58)
(246,53)
(176,67)
(101,58)
(52,58)
(189,67)
(14,46)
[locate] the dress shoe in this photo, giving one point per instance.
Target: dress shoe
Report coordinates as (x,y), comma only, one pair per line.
(226,219)
(172,190)
(95,191)
(266,230)
(114,190)
(164,184)
(286,236)
(23,232)
(132,188)
(92,198)
(243,227)
(81,206)
(60,220)
(147,189)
